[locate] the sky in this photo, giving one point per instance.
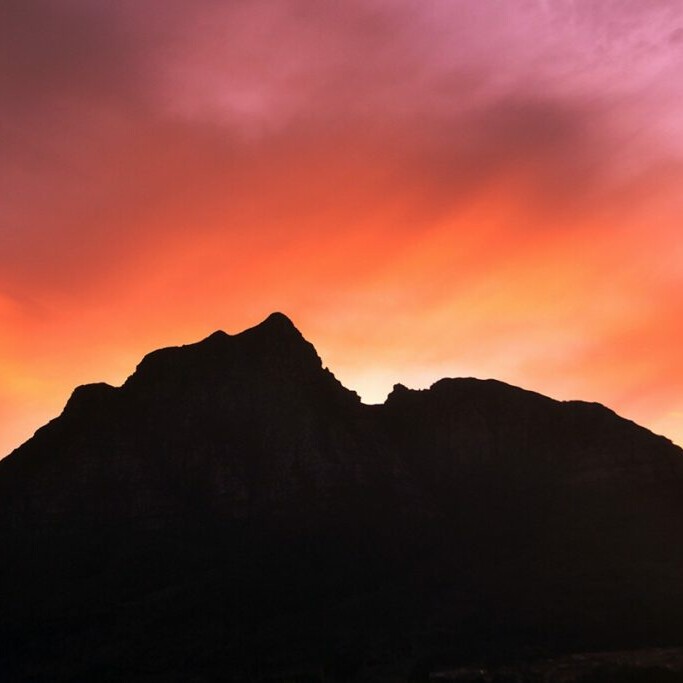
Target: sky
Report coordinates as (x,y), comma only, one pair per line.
(427,188)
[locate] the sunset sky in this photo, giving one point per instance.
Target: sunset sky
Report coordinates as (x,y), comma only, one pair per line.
(428,188)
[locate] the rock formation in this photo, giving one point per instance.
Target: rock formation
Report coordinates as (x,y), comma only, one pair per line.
(233,512)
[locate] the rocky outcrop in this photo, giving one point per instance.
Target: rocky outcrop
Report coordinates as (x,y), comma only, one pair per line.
(233,511)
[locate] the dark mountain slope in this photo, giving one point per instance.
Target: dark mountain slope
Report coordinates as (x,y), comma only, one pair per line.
(232,511)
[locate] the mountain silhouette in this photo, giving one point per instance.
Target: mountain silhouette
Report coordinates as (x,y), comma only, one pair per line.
(232,512)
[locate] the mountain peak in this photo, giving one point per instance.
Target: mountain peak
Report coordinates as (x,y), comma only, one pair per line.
(218,335)
(276,323)
(278,318)
(263,356)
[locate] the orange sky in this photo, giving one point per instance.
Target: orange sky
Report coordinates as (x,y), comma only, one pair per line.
(429,189)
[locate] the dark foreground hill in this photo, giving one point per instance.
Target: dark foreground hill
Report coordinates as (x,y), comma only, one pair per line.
(232,512)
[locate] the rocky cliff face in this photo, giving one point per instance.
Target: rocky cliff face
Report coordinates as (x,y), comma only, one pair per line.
(233,511)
